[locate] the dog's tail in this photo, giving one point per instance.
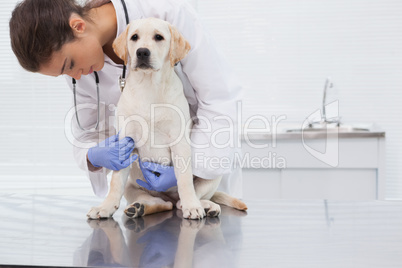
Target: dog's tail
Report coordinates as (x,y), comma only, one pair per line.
(227,200)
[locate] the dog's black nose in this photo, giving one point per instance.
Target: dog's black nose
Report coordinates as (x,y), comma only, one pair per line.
(143,53)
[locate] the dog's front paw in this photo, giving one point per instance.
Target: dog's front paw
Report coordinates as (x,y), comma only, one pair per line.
(192,210)
(103,211)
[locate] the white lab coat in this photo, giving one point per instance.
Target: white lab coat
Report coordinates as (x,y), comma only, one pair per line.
(210,87)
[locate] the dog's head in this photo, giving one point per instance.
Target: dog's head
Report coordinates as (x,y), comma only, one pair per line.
(148,44)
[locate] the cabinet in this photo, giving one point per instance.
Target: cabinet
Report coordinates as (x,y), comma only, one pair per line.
(290,171)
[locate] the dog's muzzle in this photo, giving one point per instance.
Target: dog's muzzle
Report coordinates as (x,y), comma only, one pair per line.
(143,56)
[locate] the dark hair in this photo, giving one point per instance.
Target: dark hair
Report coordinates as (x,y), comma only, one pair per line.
(40,27)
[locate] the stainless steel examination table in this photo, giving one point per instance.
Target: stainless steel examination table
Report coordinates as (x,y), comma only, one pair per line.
(45,230)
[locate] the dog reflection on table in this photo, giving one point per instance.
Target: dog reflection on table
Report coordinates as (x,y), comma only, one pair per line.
(164,239)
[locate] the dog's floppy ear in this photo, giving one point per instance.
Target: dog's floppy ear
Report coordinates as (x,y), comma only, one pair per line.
(179,47)
(120,45)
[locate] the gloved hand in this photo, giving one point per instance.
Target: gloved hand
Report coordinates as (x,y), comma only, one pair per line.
(158,177)
(112,153)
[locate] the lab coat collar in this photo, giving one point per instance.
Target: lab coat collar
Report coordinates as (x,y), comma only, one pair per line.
(133,14)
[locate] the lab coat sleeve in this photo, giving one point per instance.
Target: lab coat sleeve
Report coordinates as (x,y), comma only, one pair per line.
(214,136)
(83,140)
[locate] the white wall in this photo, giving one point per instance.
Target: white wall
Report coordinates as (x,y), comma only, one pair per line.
(33,147)
(282,51)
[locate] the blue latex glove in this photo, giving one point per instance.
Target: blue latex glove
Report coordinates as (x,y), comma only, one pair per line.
(112,153)
(158,177)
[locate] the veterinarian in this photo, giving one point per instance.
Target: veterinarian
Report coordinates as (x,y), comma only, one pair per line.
(60,37)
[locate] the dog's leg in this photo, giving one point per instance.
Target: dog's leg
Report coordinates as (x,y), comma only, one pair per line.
(189,202)
(142,203)
(144,207)
(204,190)
(227,200)
(212,209)
(112,201)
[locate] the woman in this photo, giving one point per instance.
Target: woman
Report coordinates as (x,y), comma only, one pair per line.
(59,37)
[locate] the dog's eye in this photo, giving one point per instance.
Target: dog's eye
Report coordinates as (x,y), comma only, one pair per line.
(134,37)
(159,37)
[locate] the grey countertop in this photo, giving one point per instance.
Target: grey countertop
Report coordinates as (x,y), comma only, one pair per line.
(294,131)
(46,230)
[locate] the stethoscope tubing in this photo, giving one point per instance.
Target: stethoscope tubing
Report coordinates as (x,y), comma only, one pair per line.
(98,102)
(121,81)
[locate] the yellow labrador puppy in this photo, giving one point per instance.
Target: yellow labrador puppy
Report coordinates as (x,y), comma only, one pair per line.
(155,113)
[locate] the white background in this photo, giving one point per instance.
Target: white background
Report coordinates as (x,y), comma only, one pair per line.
(281,50)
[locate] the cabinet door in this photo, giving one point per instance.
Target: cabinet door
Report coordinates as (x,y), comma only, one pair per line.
(336,184)
(333,184)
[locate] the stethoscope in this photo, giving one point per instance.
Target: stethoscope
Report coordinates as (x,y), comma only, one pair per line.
(122,82)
